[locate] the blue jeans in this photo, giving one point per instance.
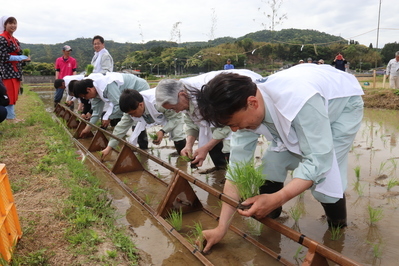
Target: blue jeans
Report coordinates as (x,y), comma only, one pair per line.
(10,112)
(58,95)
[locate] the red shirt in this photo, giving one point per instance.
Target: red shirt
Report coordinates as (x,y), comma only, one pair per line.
(65,67)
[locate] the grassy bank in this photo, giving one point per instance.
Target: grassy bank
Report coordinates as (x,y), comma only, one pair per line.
(66,218)
(379,95)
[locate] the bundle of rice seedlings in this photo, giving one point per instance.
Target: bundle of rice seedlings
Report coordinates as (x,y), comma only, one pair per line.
(247,178)
(89,69)
(26,52)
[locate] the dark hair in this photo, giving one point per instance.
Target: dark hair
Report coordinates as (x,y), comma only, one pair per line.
(71,86)
(9,20)
(129,100)
(58,83)
(224,95)
(80,87)
(99,38)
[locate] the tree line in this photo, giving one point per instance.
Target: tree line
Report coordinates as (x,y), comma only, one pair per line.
(262,51)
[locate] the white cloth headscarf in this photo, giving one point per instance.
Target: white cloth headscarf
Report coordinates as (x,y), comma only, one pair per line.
(3,20)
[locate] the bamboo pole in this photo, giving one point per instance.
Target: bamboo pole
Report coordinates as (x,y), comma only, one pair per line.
(383,81)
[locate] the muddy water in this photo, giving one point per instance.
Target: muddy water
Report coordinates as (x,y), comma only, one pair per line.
(375,153)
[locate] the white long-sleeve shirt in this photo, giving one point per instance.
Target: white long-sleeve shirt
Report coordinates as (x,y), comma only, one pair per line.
(393,68)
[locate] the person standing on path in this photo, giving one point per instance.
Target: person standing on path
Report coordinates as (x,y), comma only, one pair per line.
(339,62)
(66,65)
(11,59)
(393,72)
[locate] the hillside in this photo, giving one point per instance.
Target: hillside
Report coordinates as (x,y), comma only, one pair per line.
(83,51)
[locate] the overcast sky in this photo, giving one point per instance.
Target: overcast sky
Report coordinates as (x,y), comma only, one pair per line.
(52,22)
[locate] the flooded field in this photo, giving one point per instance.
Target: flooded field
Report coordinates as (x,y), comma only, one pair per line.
(372,191)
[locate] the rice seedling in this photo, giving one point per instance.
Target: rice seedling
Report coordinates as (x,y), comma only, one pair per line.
(158,153)
(392,183)
(357,172)
(295,213)
(297,254)
(302,195)
(169,158)
(166,142)
(382,168)
(175,219)
(247,178)
(185,158)
(195,237)
(153,136)
(358,188)
(358,156)
(26,52)
(89,69)
(148,199)
(375,214)
(254,227)
(336,233)
(377,250)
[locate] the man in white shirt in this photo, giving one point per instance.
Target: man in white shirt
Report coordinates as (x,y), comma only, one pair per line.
(102,60)
(393,72)
(310,113)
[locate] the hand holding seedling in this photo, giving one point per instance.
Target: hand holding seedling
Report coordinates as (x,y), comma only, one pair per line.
(261,205)
(159,138)
(186,151)
(27,59)
(199,156)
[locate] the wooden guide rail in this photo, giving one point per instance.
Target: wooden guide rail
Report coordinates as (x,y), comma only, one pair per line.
(317,254)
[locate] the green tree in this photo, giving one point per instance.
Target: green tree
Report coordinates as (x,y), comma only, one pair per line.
(388,52)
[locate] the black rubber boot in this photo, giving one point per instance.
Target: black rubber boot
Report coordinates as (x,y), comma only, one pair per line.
(179,145)
(142,140)
(270,187)
(336,213)
(218,157)
(114,122)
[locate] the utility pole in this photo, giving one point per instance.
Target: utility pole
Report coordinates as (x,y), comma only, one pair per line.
(378,31)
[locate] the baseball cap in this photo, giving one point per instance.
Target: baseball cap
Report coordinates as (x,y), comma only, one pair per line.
(67,48)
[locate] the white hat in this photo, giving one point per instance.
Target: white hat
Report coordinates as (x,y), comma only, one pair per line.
(3,19)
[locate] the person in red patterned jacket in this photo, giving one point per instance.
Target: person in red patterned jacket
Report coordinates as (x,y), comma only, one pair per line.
(10,65)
